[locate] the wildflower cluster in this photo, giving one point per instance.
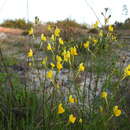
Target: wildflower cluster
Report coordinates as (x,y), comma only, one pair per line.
(116,111)
(126,72)
(82,61)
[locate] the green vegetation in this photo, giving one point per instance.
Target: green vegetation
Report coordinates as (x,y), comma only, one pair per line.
(77,84)
(18,23)
(68,23)
(125,25)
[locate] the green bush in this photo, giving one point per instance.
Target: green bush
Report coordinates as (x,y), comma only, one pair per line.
(17,23)
(68,23)
(125,25)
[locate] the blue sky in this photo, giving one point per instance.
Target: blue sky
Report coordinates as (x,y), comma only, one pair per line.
(52,10)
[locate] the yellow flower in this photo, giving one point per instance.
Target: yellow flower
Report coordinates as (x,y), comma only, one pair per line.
(95,41)
(96,24)
(58,58)
(52,37)
(49,27)
(49,74)
(73,51)
(81,67)
(126,71)
(44,61)
(30,53)
(104,95)
(43,38)
(71,99)
(61,41)
(86,44)
(52,65)
(60,109)
(30,32)
(80,120)
(72,118)
(57,32)
(66,55)
(59,66)
(110,28)
(116,111)
(49,47)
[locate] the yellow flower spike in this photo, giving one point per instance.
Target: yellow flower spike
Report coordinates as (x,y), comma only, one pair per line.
(59,66)
(57,32)
(49,47)
(52,37)
(86,44)
(104,95)
(110,28)
(80,120)
(61,41)
(71,99)
(49,27)
(49,74)
(96,24)
(116,111)
(73,51)
(30,32)
(72,119)
(58,58)
(43,37)
(30,53)
(81,67)
(60,109)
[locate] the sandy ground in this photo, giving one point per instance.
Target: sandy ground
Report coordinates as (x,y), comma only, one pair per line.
(11,31)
